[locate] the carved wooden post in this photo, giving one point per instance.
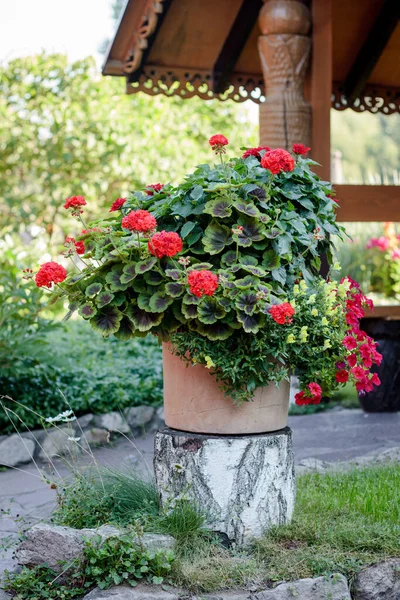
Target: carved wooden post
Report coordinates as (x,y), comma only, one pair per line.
(284,47)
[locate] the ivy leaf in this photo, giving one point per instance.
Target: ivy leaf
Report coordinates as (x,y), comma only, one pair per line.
(306,203)
(209,310)
(251,323)
(246,302)
(187,228)
(93,289)
(87,310)
(216,237)
(174,289)
(128,273)
(145,265)
(107,322)
(159,302)
(218,331)
(220,207)
(196,192)
(282,244)
(247,208)
(279,275)
(142,320)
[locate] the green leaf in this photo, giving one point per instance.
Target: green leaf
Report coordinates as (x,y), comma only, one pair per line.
(194,236)
(201,266)
(104,298)
(220,208)
(187,228)
(196,192)
(209,310)
(258,271)
(143,300)
(174,289)
(247,282)
(159,302)
(153,278)
(113,278)
(190,299)
(279,275)
(93,289)
(247,208)
(87,310)
(174,274)
(128,273)
(248,260)
(229,258)
(145,265)
(218,331)
(251,323)
(142,320)
(246,302)
(216,237)
(282,244)
(253,231)
(306,203)
(189,311)
(107,321)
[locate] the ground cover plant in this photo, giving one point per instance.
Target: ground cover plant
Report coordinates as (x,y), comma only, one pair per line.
(342,523)
(225,266)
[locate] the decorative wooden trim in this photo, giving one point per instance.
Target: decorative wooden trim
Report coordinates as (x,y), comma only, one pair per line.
(186,84)
(391,312)
(374,99)
(368,203)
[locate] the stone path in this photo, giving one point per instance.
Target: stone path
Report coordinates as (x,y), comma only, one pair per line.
(329,436)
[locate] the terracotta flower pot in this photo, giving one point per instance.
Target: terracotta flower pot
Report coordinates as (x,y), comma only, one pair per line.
(193,402)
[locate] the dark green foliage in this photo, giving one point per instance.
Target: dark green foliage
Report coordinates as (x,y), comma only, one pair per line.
(95,375)
(40,583)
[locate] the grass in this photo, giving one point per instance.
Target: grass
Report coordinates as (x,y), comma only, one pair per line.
(342,522)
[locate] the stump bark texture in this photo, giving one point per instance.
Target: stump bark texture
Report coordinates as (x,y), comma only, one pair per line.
(245,484)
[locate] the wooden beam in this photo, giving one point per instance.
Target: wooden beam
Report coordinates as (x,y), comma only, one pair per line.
(321,85)
(368,203)
(372,49)
(388,312)
(234,44)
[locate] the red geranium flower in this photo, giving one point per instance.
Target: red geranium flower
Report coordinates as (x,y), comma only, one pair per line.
(217,142)
(75,202)
(164,243)
(139,220)
(255,151)
(278,160)
(117,204)
(202,283)
(300,149)
(79,246)
(282,313)
(154,187)
(50,272)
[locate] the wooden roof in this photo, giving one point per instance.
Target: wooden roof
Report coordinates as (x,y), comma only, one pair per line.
(209,49)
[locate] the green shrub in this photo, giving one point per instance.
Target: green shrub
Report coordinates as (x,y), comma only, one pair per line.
(93,374)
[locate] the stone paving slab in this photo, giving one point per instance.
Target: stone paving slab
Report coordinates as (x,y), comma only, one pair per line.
(330,436)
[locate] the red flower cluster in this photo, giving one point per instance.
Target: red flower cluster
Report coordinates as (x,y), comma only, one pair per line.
(217,142)
(202,283)
(282,313)
(382,243)
(139,220)
(50,272)
(164,243)
(255,151)
(362,348)
(278,160)
(91,230)
(300,149)
(312,395)
(79,246)
(117,204)
(75,202)
(154,188)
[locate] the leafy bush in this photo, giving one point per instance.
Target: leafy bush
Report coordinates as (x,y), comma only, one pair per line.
(94,375)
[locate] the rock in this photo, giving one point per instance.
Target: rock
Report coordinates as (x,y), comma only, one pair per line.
(96,436)
(112,421)
(140,592)
(244,484)
(57,545)
(84,421)
(15,451)
(334,587)
(139,416)
(380,582)
(4,595)
(59,442)
(312,465)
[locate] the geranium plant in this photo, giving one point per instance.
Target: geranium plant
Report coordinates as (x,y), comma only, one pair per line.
(226,266)
(383,261)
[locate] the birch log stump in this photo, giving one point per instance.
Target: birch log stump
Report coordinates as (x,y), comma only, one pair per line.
(245,484)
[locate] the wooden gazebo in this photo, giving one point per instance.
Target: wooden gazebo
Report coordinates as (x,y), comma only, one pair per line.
(296,58)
